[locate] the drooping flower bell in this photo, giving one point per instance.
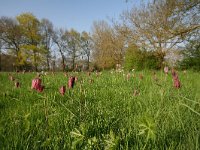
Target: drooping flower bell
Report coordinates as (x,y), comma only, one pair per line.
(176,81)
(141,76)
(136,92)
(11,78)
(17,84)
(62,90)
(71,82)
(166,70)
(173,72)
(37,84)
(40,88)
(128,76)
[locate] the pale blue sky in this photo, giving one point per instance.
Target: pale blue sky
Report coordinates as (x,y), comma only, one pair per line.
(77,14)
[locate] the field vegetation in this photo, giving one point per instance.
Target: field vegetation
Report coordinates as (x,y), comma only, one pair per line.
(104,110)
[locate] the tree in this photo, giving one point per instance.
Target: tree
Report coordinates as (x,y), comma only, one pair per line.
(60,39)
(109,44)
(138,59)
(46,31)
(11,38)
(162,25)
(133,58)
(191,55)
(30,27)
(73,45)
(86,45)
(103,54)
(0,52)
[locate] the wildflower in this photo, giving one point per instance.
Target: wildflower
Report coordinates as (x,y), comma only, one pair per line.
(141,76)
(88,73)
(39,74)
(71,82)
(173,72)
(176,81)
(65,74)
(155,78)
(136,92)
(40,88)
(11,78)
(62,90)
(166,70)
(91,81)
(36,83)
(128,76)
(17,84)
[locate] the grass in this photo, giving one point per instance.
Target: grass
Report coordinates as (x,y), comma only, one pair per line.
(105,114)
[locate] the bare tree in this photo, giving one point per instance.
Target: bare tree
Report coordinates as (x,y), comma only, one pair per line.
(59,38)
(162,25)
(109,44)
(103,54)
(47,35)
(86,45)
(73,45)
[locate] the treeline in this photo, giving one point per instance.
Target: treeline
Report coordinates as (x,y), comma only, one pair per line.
(36,43)
(143,37)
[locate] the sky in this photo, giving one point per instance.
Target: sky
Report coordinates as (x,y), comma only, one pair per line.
(67,14)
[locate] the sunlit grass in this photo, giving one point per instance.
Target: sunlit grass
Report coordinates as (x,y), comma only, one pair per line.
(103,114)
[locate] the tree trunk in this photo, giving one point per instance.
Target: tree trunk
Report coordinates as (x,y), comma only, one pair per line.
(48,66)
(63,63)
(0,58)
(88,63)
(73,61)
(34,61)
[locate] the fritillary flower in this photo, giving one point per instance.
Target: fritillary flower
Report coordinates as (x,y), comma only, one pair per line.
(166,70)
(141,76)
(17,84)
(71,82)
(62,90)
(40,89)
(37,84)
(128,76)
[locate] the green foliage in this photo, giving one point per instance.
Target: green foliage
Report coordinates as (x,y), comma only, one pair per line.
(191,56)
(138,59)
(133,58)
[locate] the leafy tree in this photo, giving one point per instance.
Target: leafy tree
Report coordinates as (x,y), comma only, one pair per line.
(12,38)
(0,53)
(162,25)
(133,58)
(191,56)
(30,27)
(138,59)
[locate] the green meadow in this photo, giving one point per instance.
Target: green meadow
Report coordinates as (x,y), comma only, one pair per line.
(104,111)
